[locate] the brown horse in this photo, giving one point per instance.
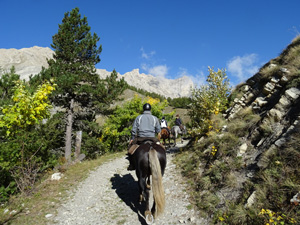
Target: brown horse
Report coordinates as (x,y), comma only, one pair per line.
(165,134)
(150,159)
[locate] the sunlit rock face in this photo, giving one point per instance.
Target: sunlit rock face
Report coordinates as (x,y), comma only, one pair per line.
(29,61)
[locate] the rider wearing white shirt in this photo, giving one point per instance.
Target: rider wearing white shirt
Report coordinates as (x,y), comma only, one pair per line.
(163,123)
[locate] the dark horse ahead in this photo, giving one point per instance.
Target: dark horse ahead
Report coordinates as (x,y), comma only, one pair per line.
(150,159)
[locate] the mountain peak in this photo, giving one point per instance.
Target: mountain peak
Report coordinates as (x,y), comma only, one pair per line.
(29,61)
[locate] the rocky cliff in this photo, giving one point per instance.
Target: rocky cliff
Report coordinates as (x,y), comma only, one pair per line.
(26,61)
(250,165)
(29,61)
(269,148)
(273,94)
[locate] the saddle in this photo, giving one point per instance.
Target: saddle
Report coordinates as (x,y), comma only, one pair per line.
(167,129)
(181,127)
(134,147)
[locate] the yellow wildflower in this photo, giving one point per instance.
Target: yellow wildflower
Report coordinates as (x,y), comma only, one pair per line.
(221,218)
(279,218)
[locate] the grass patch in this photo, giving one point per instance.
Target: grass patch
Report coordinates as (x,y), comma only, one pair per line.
(269,71)
(244,120)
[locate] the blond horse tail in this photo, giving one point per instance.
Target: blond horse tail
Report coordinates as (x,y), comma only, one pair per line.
(157,186)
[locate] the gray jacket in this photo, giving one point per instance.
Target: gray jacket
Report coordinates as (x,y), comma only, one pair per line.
(145,125)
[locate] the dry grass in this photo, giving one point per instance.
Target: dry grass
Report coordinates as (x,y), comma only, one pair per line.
(269,71)
(231,180)
(244,120)
(31,210)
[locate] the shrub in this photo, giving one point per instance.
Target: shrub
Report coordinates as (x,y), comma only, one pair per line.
(117,129)
(21,149)
(208,100)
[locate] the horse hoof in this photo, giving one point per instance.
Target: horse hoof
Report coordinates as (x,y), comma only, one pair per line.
(149,218)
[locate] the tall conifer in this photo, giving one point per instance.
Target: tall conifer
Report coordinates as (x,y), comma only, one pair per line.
(73,66)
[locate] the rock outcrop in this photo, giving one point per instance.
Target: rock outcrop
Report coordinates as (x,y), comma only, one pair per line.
(29,61)
(273,94)
(276,100)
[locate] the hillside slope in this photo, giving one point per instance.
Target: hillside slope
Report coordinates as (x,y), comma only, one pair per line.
(253,164)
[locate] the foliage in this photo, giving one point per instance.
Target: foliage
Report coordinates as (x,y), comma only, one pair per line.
(22,154)
(27,109)
(76,51)
(41,147)
(271,218)
(7,82)
(117,129)
(147,93)
(295,82)
(182,102)
(90,144)
(73,67)
(208,100)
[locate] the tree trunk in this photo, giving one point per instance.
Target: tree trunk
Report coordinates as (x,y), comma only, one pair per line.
(78,144)
(68,147)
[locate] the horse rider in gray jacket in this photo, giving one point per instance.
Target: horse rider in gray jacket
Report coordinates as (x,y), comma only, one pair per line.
(145,127)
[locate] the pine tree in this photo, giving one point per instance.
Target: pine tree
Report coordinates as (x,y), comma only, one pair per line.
(73,67)
(7,82)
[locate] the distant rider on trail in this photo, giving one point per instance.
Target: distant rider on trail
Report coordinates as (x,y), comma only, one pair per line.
(164,124)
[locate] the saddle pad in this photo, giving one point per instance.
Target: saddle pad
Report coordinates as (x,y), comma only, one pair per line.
(132,149)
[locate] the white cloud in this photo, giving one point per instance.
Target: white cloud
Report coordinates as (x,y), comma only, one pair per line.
(243,67)
(150,65)
(198,79)
(146,55)
(159,71)
(144,66)
(183,72)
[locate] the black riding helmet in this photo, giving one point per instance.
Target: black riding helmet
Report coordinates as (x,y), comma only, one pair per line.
(147,107)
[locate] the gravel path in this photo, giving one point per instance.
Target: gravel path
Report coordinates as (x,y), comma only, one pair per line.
(110,196)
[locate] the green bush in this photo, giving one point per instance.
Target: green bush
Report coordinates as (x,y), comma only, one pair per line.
(182,102)
(117,129)
(208,100)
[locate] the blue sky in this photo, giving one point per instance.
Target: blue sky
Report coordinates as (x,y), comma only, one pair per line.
(164,38)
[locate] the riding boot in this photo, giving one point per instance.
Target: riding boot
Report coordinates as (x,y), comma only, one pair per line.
(131,162)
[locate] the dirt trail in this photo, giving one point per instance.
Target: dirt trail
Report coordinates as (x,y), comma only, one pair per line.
(110,196)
